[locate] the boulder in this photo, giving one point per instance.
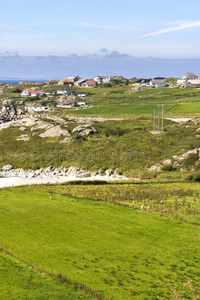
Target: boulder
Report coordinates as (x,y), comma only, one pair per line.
(7,168)
(102,173)
(156,167)
(66,140)
(84,130)
(109,172)
(54,131)
(22,128)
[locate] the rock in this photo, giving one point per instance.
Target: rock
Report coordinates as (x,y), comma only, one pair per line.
(167,162)
(66,140)
(84,130)
(8,111)
(156,167)
(49,169)
(102,173)
(93,174)
(109,172)
(84,175)
(54,131)
(22,128)
(7,168)
(186,154)
(23,137)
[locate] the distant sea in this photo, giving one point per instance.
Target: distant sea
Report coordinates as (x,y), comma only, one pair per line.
(16,81)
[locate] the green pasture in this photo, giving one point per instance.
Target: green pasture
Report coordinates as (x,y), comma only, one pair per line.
(18,281)
(116,251)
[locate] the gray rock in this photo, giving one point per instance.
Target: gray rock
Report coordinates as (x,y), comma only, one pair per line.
(7,168)
(22,128)
(102,173)
(66,140)
(84,175)
(109,172)
(156,167)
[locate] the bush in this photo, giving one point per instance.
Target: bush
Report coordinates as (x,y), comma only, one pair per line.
(168,168)
(193,177)
(190,160)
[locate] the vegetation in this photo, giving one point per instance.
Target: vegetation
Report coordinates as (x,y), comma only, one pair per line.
(137,239)
(116,251)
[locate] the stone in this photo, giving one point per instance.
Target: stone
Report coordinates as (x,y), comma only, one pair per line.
(67,140)
(167,162)
(156,167)
(54,131)
(109,172)
(22,128)
(84,130)
(102,173)
(7,168)
(23,137)
(84,175)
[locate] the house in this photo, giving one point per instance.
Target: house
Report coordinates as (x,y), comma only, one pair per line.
(144,82)
(158,82)
(72,79)
(68,103)
(89,83)
(102,79)
(79,82)
(66,82)
(50,83)
(194,83)
(32,93)
(189,76)
(50,93)
(64,92)
(40,108)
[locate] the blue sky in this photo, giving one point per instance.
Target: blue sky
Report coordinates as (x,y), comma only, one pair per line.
(107,30)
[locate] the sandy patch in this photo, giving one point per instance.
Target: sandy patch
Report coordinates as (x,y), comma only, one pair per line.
(17,181)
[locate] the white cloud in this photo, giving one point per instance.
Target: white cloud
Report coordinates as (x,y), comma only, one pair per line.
(184,25)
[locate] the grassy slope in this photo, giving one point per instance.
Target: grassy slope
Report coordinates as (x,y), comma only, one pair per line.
(17,281)
(127,145)
(106,247)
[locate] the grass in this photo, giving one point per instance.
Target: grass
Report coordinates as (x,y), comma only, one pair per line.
(18,281)
(127,145)
(114,250)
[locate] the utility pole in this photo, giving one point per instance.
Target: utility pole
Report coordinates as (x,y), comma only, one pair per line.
(154,119)
(162,116)
(158,117)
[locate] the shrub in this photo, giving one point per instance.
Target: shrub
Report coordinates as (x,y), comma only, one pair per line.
(190,160)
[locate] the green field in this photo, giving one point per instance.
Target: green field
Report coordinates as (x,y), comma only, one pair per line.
(114,250)
(18,281)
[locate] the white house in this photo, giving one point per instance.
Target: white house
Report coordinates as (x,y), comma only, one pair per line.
(189,76)
(40,108)
(31,93)
(158,82)
(64,92)
(102,79)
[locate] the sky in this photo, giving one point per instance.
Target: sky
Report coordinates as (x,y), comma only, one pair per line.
(40,38)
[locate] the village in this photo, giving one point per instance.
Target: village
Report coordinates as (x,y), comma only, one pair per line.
(71,99)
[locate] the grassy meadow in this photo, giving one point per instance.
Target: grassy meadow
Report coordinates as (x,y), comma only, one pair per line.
(115,250)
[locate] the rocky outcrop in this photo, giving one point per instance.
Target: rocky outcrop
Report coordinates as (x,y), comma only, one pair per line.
(84,130)
(55,131)
(52,172)
(177,162)
(9,111)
